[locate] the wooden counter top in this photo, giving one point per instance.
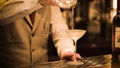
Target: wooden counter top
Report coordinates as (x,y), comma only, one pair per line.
(102,61)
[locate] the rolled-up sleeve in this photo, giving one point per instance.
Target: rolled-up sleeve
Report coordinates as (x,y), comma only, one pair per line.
(61,40)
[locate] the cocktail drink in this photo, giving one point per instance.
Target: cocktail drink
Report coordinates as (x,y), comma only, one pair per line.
(75,34)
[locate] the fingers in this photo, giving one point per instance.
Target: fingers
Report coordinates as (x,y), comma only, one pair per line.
(70,56)
(75,56)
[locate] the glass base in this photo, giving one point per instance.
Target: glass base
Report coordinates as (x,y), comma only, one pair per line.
(75,62)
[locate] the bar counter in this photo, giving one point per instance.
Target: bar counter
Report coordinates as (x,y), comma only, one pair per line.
(101,61)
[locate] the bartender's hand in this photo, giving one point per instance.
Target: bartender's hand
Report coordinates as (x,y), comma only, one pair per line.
(48,2)
(70,56)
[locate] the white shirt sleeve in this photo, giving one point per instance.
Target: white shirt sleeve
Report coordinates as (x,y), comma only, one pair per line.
(62,42)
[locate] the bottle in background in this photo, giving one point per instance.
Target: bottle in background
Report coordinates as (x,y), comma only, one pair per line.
(116,38)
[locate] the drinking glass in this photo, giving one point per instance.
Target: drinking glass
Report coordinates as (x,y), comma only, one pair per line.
(75,34)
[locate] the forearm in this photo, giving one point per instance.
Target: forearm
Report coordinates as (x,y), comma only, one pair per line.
(61,40)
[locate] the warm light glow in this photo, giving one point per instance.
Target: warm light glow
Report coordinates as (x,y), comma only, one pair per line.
(114,4)
(114,10)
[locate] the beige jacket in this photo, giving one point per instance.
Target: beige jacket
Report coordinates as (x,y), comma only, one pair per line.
(21,43)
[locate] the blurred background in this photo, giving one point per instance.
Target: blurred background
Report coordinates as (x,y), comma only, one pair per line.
(95,16)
